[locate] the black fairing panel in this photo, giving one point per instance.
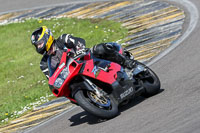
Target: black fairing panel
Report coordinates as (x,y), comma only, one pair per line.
(123,87)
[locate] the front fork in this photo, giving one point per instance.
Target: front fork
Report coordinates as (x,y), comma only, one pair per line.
(94,87)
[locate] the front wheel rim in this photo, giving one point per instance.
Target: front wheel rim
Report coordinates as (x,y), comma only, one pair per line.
(99,101)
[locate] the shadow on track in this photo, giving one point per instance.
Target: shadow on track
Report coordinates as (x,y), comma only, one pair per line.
(85,117)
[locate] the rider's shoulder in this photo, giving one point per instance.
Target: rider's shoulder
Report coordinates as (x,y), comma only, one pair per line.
(64,36)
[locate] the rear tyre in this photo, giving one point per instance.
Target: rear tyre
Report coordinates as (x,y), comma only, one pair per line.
(150,82)
(102,107)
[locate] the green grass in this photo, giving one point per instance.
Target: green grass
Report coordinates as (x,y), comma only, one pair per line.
(18,57)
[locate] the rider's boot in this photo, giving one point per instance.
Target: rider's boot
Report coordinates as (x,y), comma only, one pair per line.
(126,60)
(129,62)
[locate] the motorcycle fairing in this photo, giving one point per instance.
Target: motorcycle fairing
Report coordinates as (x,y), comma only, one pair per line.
(122,87)
(73,68)
(96,68)
(99,69)
(59,69)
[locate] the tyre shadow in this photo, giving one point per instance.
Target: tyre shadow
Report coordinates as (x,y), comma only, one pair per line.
(85,117)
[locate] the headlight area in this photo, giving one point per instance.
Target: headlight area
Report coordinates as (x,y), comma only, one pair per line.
(61,78)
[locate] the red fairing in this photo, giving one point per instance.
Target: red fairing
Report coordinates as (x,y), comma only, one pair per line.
(76,68)
(87,57)
(58,70)
(64,90)
(99,74)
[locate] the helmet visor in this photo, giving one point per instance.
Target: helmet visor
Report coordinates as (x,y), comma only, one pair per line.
(40,44)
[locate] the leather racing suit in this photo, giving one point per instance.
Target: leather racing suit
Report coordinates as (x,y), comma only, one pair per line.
(53,60)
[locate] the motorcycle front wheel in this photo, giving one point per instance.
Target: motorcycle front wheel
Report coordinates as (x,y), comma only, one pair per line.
(102,107)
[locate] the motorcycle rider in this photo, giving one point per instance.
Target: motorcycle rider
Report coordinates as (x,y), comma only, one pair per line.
(51,49)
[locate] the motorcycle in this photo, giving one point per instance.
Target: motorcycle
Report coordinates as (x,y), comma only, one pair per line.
(100,86)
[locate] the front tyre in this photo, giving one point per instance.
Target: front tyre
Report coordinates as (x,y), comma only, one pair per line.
(102,107)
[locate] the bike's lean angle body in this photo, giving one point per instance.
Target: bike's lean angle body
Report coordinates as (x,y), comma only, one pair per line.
(100,86)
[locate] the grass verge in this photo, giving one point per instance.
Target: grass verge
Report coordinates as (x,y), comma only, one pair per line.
(22,84)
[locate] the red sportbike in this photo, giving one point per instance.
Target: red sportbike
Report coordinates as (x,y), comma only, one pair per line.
(100,86)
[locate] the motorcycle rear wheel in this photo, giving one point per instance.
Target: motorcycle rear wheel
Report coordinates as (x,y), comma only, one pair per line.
(151,82)
(106,111)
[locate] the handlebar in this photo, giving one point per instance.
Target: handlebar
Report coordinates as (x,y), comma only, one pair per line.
(83,52)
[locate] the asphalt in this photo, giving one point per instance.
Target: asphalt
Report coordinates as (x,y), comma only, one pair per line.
(20,5)
(175,110)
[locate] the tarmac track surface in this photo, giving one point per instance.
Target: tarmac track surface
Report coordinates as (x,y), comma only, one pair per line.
(17,5)
(175,110)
